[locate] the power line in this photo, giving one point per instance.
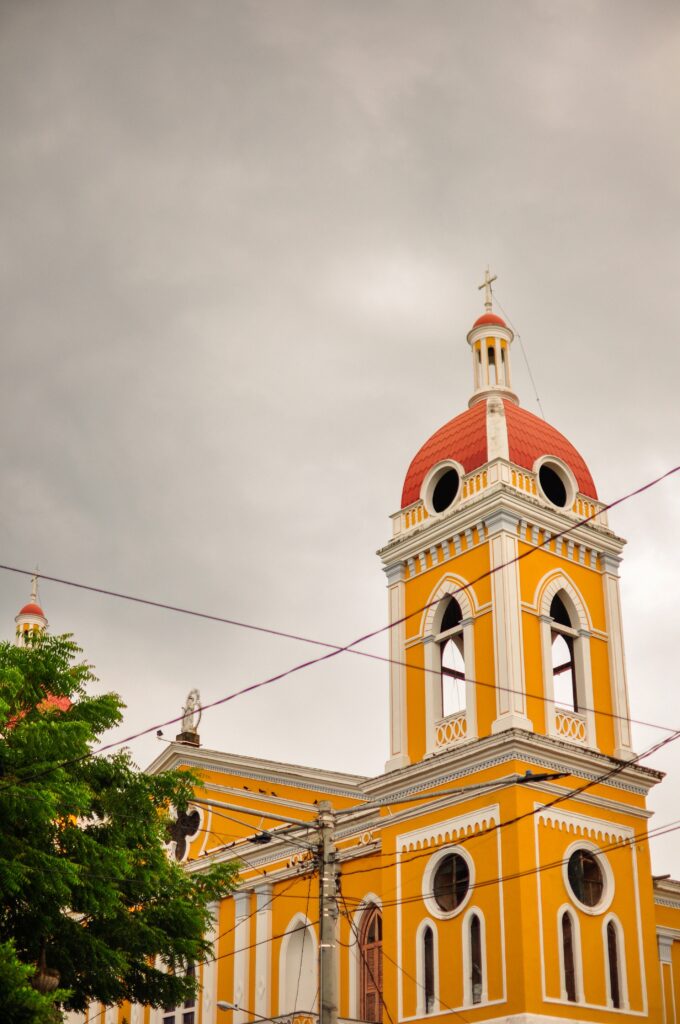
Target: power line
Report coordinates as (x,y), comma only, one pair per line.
(364,960)
(636,839)
(335,650)
(302,945)
(526,360)
(260,942)
(567,795)
(404,972)
(275,896)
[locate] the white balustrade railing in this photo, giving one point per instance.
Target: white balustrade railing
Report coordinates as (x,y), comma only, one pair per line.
(570,725)
(451,730)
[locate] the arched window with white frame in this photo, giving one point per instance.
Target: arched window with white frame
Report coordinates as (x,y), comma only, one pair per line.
(298,968)
(615,962)
(452,659)
(567,673)
(370,953)
(427,969)
(563,667)
(448,638)
(570,957)
(474,958)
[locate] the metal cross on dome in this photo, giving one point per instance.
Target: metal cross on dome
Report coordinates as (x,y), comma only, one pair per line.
(486,285)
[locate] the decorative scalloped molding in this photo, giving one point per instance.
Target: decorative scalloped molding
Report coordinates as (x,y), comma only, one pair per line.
(446,831)
(579,825)
(661,901)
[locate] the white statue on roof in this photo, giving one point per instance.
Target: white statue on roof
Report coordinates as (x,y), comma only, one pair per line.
(191,712)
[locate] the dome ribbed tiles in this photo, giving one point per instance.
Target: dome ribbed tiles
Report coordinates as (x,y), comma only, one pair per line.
(463,439)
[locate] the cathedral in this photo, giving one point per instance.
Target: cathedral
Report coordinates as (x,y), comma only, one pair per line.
(499,868)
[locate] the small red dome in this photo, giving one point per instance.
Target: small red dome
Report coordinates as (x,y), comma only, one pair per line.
(32,609)
(489,318)
(464,440)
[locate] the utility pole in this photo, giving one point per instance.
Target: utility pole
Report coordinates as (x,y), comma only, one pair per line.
(328,916)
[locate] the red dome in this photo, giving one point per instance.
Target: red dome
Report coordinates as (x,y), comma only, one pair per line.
(32,609)
(463,439)
(489,318)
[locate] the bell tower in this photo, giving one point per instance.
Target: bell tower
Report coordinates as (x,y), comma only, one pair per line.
(502,580)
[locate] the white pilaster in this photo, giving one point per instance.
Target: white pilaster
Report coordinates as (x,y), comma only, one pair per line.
(507,623)
(496,430)
(209,971)
(397,639)
(584,672)
(617,658)
(263,949)
(433,691)
(241,956)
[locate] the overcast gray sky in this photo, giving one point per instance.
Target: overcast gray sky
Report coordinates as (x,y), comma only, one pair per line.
(240,250)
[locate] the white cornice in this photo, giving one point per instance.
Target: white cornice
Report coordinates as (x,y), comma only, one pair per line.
(316,779)
(547,751)
(667,892)
(478,508)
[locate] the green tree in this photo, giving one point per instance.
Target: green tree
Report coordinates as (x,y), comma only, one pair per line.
(85,881)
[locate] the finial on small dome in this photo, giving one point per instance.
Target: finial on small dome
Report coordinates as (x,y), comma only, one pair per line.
(486,285)
(34,586)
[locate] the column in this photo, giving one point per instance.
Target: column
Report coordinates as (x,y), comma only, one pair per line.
(617,658)
(241,955)
(507,623)
(397,639)
(263,949)
(209,971)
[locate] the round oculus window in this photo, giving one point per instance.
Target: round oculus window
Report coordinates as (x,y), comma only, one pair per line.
(553,485)
(451,882)
(445,490)
(586,877)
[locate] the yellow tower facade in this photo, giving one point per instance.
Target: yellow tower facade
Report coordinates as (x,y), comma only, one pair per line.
(499,869)
(506,653)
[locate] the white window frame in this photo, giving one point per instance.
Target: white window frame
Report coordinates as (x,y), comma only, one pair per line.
(294,924)
(428,882)
(550,587)
(369,901)
(456,587)
(578,960)
(621,955)
(471,912)
(421,1010)
(607,874)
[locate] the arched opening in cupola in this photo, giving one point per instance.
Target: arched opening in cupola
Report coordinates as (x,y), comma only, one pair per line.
(491,353)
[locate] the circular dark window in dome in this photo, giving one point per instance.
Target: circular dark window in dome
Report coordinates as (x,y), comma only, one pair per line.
(451,882)
(585,877)
(445,490)
(553,485)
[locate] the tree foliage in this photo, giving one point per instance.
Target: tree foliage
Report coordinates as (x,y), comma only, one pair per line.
(85,880)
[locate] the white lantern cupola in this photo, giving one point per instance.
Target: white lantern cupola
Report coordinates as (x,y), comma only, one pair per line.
(490,340)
